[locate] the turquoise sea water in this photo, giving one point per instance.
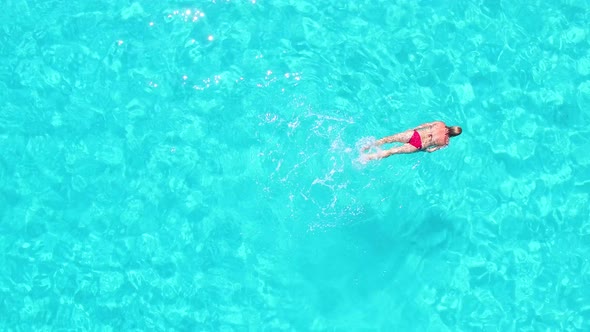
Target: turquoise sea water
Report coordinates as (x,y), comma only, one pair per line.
(191,166)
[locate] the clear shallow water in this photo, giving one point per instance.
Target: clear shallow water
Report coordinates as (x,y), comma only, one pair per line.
(164,173)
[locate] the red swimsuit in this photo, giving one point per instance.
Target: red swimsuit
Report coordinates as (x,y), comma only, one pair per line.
(416,140)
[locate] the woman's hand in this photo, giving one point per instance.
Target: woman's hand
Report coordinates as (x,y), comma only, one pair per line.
(433,148)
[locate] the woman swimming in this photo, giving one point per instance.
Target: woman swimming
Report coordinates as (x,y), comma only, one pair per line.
(426,137)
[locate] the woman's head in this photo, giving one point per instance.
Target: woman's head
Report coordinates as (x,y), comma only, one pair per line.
(454,131)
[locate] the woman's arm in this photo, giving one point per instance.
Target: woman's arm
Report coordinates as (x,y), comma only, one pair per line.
(429,124)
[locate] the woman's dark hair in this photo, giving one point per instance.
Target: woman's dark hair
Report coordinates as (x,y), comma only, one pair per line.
(454,131)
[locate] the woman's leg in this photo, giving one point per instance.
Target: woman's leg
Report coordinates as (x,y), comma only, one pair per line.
(403,137)
(406,148)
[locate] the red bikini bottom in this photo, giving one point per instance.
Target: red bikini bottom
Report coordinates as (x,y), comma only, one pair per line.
(416,140)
